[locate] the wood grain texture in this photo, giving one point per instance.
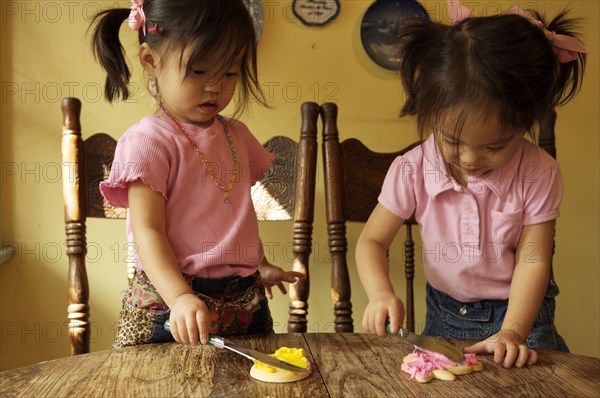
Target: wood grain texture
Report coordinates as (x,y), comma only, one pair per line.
(364,365)
(159,370)
(344,365)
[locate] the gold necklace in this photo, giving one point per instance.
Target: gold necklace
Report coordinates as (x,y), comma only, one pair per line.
(207,166)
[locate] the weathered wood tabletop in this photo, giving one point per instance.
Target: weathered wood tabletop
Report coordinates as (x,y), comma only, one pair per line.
(344,365)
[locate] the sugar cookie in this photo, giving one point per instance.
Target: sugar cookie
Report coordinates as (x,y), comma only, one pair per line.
(269,374)
(425,366)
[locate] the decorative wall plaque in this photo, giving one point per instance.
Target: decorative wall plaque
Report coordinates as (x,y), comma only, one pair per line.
(316,12)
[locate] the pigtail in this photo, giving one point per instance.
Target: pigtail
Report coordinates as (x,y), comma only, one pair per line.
(569,76)
(417,40)
(109,52)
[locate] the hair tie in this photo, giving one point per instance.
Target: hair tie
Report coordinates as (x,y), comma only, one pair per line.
(155,29)
(137,18)
(457,12)
(565,47)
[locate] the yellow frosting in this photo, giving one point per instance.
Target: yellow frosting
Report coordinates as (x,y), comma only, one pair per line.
(294,356)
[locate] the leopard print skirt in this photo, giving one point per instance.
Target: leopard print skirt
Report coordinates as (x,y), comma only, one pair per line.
(237,305)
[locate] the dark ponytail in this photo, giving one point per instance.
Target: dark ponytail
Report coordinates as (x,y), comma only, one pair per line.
(418,41)
(109,52)
(569,75)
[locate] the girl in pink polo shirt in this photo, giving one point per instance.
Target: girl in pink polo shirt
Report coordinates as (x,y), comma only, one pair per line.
(185,173)
(485,198)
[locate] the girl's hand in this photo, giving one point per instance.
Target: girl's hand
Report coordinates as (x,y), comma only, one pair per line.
(380,309)
(272,275)
(189,320)
(507,348)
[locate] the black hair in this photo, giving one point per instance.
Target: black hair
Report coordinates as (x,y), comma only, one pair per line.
(502,62)
(210,26)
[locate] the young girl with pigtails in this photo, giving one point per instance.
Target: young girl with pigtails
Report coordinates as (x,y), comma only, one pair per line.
(484,196)
(185,172)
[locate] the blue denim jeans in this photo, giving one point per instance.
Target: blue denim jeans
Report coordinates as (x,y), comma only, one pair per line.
(479,320)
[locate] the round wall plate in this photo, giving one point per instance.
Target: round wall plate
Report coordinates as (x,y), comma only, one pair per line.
(316,12)
(379,29)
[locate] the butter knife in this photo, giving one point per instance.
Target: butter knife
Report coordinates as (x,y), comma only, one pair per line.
(428,343)
(220,342)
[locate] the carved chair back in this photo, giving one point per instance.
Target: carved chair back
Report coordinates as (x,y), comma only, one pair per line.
(286,192)
(353,179)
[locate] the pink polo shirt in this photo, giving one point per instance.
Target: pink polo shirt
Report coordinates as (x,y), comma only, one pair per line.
(209,237)
(470,234)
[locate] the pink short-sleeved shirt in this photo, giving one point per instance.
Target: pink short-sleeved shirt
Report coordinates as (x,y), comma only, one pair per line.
(209,237)
(470,234)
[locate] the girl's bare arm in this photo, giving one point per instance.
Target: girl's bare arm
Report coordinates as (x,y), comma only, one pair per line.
(528,286)
(373,271)
(189,315)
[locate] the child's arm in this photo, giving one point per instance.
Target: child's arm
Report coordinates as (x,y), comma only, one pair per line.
(189,315)
(528,286)
(373,270)
(272,275)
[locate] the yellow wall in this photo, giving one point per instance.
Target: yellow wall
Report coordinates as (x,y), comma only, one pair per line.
(45,57)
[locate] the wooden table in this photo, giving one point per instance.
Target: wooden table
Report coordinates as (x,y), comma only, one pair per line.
(344,365)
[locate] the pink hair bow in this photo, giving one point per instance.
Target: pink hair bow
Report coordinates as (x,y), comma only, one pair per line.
(565,47)
(137,18)
(457,12)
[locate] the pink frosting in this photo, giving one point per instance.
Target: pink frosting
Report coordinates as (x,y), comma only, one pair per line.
(424,362)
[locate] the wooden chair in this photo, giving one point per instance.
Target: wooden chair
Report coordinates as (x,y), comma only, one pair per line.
(353,179)
(286,192)
(547,141)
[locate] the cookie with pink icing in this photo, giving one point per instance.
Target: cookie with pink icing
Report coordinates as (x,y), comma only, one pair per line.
(426,365)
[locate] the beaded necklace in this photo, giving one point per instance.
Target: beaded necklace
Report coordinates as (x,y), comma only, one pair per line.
(207,166)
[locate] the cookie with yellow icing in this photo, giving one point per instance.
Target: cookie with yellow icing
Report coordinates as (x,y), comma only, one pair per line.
(269,374)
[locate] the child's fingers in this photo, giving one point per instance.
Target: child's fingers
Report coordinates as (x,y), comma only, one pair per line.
(183,337)
(293,276)
(175,331)
(365,320)
(533,357)
(395,318)
(268,292)
(380,320)
(282,287)
(192,332)
(203,328)
(368,322)
(478,347)
(499,353)
(524,353)
(511,354)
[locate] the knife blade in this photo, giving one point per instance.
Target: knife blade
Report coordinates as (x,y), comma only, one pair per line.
(429,343)
(254,355)
(220,342)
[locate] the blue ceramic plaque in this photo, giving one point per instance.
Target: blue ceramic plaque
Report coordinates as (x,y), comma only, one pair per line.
(379,29)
